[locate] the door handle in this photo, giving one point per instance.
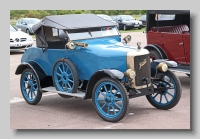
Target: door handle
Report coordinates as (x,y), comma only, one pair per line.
(181,43)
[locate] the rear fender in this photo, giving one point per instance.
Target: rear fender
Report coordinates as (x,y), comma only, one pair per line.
(39,72)
(158,49)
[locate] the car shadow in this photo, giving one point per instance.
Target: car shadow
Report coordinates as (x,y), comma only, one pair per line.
(16,52)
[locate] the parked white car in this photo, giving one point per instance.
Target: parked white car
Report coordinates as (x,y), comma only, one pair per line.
(19,39)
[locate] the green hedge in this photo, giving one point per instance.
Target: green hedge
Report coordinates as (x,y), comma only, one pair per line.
(16,14)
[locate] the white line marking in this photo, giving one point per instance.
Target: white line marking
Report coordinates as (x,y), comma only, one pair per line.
(17,99)
(13,64)
(14,78)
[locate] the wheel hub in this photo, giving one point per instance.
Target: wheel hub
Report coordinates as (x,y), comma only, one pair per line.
(65,77)
(162,88)
(30,85)
(109,99)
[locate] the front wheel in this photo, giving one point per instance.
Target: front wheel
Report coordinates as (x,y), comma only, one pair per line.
(124,27)
(169,92)
(29,84)
(28,32)
(110,99)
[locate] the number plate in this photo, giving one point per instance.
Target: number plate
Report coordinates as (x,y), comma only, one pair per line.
(18,45)
(136,25)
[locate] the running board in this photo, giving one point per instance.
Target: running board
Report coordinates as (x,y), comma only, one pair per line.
(186,71)
(79,94)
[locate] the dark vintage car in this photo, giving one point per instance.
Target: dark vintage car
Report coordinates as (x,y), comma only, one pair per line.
(83,55)
(143,19)
(127,22)
(168,37)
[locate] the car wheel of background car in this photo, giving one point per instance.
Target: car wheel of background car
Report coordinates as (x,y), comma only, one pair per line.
(169,96)
(110,99)
(154,55)
(124,27)
(30,87)
(65,77)
(139,28)
(27,31)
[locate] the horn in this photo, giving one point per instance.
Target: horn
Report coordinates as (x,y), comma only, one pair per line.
(85,45)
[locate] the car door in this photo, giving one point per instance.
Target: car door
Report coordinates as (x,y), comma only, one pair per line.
(23,25)
(18,24)
(186,44)
(119,21)
(174,46)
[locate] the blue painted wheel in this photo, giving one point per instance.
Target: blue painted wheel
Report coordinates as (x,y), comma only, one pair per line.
(65,76)
(30,87)
(110,99)
(169,94)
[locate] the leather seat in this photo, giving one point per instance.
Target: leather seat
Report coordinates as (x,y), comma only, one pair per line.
(179,29)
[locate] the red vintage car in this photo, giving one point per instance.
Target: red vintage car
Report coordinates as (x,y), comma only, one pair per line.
(168,37)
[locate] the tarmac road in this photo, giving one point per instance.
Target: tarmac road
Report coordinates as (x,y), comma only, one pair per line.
(54,112)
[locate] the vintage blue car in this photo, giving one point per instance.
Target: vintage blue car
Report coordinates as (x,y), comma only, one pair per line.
(83,55)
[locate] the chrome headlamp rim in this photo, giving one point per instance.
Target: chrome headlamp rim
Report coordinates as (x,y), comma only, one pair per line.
(127,39)
(130,73)
(70,45)
(163,67)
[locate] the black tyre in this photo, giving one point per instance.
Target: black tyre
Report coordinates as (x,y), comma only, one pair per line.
(65,77)
(154,55)
(124,27)
(29,85)
(139,28)
(169,96)
(110,99)
(28,31)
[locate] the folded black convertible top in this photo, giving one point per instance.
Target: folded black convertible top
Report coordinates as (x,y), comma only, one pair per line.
(73,21)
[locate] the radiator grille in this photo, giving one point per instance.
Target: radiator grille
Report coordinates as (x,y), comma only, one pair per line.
(142,71)
(23,39)
(11,40)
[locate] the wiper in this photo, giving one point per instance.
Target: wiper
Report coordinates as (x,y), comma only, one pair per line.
(90,33)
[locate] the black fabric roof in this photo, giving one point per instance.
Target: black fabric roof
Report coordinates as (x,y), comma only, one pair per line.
(73,21)
(168,11)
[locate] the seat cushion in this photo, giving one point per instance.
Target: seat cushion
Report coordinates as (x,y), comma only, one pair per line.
(179,29)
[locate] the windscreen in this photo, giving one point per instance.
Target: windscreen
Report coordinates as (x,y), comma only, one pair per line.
(12,29)
(92,33)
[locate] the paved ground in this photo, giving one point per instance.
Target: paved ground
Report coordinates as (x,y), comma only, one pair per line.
(54,112)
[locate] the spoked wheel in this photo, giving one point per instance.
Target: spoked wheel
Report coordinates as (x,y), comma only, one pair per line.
(30,87)
(169,94)
(154,55)
(110,99)
(65,77)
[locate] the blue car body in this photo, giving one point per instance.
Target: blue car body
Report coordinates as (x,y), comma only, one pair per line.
(102,53)
(90,60)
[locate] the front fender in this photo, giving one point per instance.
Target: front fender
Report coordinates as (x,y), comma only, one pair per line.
(115,74)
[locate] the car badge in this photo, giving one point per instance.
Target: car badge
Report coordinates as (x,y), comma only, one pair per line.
(17,40)
(142,63)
